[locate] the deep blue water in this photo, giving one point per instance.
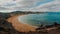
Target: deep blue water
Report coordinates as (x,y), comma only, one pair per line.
(44,18)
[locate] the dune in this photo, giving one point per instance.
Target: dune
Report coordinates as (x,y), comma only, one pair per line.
(21,27)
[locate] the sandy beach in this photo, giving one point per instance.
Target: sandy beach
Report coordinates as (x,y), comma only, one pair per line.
(20,26)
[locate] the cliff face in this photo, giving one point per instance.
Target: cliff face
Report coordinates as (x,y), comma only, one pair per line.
(6,27)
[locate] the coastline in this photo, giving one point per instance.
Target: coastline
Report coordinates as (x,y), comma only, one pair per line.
(10,24)
(20,26)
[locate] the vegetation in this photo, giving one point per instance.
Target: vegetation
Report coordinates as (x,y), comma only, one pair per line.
(25,12)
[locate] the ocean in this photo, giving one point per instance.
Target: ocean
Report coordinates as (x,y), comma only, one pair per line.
(47,18)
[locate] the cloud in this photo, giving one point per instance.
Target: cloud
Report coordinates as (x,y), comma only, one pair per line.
(52,6)
(29,5)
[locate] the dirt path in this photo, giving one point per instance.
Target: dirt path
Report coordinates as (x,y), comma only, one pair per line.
(20,26)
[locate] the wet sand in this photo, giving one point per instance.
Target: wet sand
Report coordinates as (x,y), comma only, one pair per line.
(20,26)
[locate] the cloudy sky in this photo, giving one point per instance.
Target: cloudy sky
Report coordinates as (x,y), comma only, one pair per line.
(29,5)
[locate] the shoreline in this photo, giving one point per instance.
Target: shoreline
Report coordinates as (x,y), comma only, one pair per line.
(20,26)
(20,20)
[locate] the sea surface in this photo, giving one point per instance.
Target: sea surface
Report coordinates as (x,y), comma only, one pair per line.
(47,18)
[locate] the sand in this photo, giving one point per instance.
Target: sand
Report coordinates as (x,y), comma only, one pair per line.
(21,27)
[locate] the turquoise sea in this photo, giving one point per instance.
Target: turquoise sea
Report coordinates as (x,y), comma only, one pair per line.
(47,18)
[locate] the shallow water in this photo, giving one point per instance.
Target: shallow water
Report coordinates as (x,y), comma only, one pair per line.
(38,19)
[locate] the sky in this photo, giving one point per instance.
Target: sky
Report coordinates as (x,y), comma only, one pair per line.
(30,5)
